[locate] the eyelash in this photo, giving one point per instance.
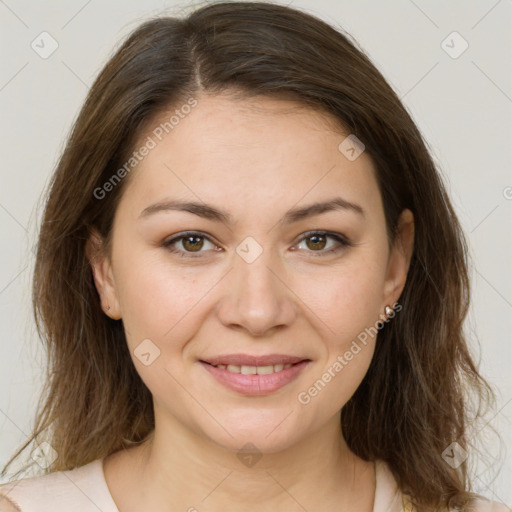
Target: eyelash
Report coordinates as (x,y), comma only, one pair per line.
(342,241)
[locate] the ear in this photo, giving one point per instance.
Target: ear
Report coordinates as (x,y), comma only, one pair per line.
(399,258)
(103,275)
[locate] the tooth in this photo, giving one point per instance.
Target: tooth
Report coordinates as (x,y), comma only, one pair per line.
(254,370)
(265,370)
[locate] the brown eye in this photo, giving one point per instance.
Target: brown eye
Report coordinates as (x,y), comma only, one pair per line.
(193,243)
(316,242)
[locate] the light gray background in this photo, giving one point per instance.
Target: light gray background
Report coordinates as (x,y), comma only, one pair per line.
(462,105)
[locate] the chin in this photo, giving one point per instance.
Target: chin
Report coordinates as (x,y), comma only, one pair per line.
(251,435)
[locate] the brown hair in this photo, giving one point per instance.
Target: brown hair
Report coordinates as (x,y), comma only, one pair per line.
(414,400)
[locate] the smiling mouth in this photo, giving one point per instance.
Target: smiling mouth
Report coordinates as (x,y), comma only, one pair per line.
(253,370)
(252,380)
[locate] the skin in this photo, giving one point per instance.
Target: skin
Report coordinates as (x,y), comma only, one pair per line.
(255,159)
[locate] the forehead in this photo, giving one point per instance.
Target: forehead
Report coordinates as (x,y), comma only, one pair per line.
(259,151)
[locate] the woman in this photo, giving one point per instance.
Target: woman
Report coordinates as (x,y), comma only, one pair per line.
(252,284)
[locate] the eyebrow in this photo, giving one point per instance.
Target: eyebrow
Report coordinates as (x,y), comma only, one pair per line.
(212,213)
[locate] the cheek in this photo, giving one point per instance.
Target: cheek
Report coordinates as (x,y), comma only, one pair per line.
(158,298)
(342,376)
(346,298)
(348,309)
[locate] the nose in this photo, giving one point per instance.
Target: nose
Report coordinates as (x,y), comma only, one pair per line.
(257,297)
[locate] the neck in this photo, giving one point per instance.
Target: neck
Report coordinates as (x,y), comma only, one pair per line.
(176,469)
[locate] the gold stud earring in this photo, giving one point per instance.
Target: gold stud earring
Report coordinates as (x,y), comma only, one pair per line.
(388,310)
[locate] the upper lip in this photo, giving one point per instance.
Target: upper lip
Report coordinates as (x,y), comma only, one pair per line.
(249,360)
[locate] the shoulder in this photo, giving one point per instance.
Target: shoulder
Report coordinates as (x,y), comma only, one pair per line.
(479,504)
(23,495)
(390,498)
(484,505)
(82,489)
(6,505)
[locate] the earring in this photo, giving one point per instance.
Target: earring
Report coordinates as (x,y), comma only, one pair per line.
(388,310)
(108,308)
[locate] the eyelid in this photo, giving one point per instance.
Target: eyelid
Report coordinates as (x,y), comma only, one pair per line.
(342,241)
(322,232)
(168,243)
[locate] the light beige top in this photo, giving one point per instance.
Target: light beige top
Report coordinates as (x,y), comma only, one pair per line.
(85,489)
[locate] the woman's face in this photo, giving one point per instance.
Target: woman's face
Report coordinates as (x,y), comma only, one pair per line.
(254,279)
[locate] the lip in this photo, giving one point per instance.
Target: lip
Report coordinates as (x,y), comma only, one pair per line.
(256,385)
(250,360)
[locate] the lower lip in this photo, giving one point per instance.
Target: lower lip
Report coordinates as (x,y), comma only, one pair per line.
(255,384)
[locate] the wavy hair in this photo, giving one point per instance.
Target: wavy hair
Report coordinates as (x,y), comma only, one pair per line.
(414,400)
